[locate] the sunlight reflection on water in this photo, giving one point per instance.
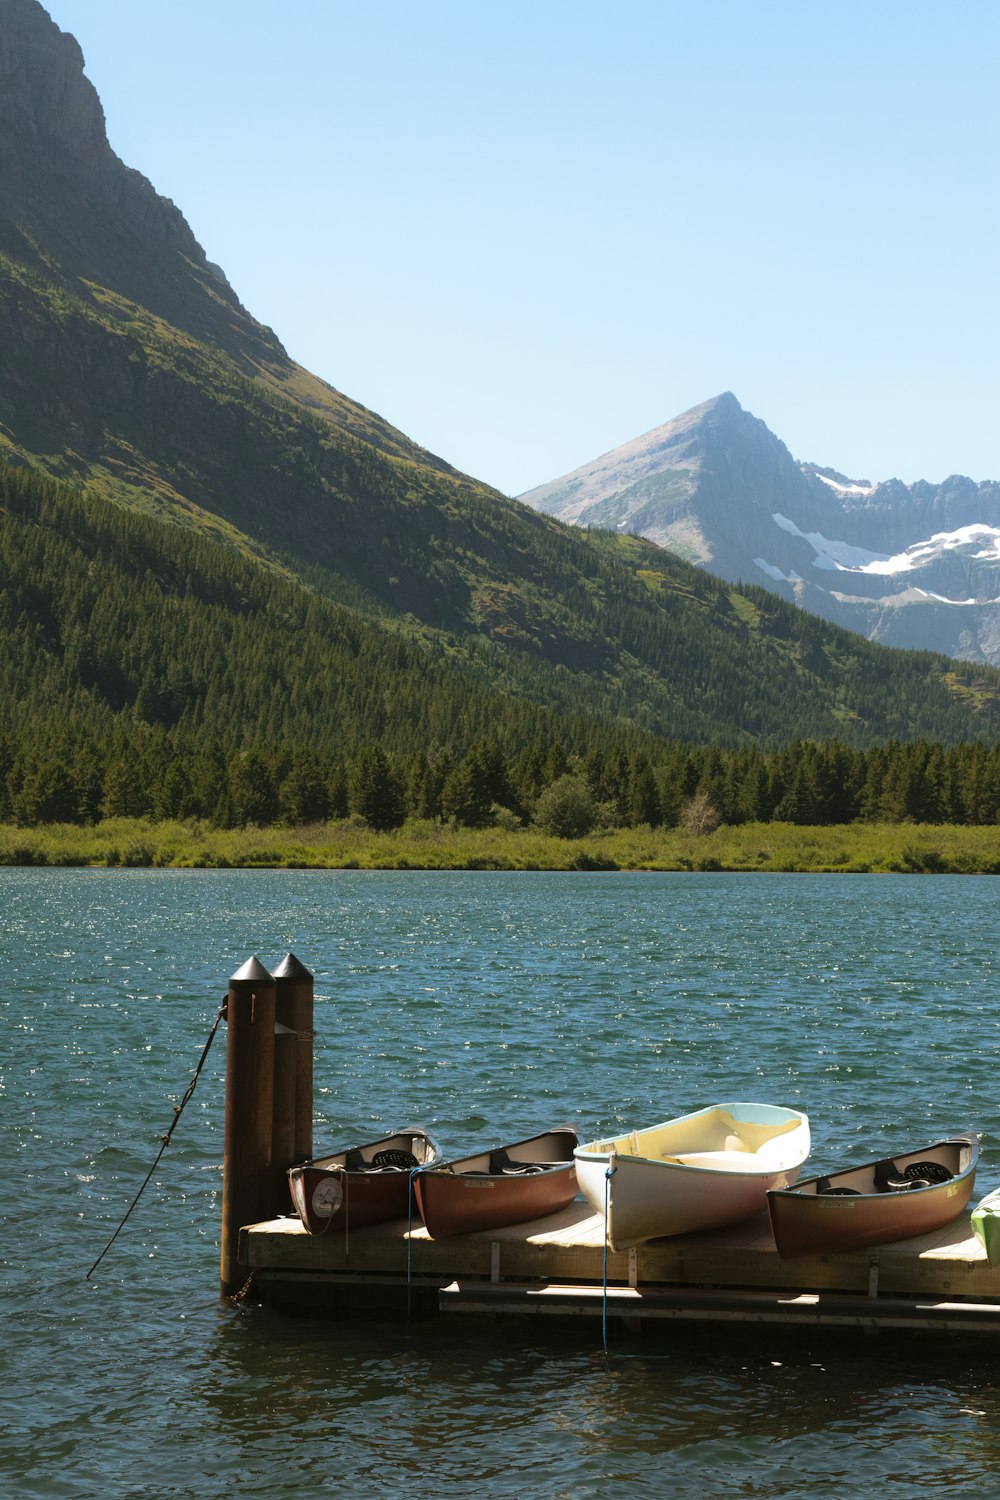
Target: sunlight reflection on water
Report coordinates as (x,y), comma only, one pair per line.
(485,1006)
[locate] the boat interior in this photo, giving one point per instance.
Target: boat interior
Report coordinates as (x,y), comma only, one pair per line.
(714,1137)
(927,1167)
(393,1153)
(523,1159)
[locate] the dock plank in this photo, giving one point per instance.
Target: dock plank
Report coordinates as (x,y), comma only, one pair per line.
(568,1249)
(803,1309)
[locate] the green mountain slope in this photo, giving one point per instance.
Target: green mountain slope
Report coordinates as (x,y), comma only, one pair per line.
(123,616)
(257,561)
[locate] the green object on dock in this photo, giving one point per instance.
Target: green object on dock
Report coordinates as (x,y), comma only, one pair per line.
(986,1225)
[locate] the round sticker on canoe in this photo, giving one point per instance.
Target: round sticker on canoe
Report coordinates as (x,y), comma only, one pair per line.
(327,1197)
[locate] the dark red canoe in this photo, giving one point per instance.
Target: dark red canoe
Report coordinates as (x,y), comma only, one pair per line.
(892,1199)
(362,1184)
(510,1185)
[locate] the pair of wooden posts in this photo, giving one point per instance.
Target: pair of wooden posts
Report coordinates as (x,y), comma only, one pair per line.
(269,1098)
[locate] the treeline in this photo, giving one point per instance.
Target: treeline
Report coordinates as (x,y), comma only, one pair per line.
(79,781)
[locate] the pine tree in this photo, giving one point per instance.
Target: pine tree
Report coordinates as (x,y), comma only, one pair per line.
(377,793)
(303,796)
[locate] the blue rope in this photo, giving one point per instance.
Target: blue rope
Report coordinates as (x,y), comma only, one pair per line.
(409,1240)
(608,1174)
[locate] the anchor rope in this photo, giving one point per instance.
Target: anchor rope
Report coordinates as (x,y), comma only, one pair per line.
(608,1174)
(347,1216)
(165,1139)
(409,1241)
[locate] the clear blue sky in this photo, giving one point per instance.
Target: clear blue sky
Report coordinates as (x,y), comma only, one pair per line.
(527,230)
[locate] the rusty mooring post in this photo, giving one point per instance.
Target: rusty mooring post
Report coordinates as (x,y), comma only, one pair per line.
(291,1136)
(246,1166)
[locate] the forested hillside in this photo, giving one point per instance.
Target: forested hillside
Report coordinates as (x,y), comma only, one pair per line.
(229,592)
(148,670)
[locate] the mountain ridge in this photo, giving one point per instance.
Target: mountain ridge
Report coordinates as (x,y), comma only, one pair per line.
(74,213)
(909,565)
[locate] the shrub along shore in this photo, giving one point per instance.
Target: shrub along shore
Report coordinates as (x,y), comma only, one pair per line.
(850,848)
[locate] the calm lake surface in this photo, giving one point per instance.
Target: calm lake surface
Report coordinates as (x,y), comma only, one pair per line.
(485,1006)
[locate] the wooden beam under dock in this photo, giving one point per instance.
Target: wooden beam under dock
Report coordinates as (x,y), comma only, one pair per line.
(555,1267)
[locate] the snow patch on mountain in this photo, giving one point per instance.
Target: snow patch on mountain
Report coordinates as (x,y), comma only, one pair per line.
(921,553)
(775,573)
(845,489)
(841,557)
(829,554)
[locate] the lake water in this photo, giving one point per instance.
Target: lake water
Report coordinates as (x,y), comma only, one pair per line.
(485,1006)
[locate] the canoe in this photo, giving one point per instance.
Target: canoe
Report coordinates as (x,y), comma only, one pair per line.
(361,1184)
(986,1225)
(892,1199)
(509,1185)
(698,1171)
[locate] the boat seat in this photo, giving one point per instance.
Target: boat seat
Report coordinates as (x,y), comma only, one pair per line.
(502,1165)
(382,1161)
(394,1161)
(500,1162)
(527,1168)
(735,1159)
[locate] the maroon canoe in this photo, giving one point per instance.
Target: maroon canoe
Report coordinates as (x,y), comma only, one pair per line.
(510,1185)
(892,1199)
(362,1184)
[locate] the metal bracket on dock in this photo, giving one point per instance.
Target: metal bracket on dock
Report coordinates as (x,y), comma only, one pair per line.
(495,1260)
(633,1267)
(873,1276)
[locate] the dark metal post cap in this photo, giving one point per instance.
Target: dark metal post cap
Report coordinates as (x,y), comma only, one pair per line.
(290,968)
(252,972)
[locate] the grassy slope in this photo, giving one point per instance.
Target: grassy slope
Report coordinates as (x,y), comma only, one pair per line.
(762,848)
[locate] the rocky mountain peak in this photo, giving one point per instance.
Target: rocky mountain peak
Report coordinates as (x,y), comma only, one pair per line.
(912,565)
(44,93)
(69,201)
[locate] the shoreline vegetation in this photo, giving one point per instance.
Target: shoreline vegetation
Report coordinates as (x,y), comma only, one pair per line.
(349,844)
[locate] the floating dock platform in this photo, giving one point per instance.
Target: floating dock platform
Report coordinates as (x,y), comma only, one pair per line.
(558,1267)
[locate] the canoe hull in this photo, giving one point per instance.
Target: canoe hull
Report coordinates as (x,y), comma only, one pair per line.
(808,1221)
(700,1171)
(327,1194)
(466,1196)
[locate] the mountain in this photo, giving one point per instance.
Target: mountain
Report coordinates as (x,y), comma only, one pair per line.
(90,245)
(906,565)
(206,552)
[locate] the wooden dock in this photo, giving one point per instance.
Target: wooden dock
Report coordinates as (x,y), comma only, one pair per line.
(557,1267)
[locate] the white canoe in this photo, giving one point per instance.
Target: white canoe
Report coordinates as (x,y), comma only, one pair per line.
(699,1171)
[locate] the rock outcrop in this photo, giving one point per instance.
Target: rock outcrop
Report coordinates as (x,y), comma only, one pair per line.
(75,212)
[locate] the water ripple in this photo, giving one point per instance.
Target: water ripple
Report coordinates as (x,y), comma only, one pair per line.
(486,1006)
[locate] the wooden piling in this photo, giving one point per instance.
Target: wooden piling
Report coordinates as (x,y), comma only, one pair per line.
(247,1189)
(291,1135)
